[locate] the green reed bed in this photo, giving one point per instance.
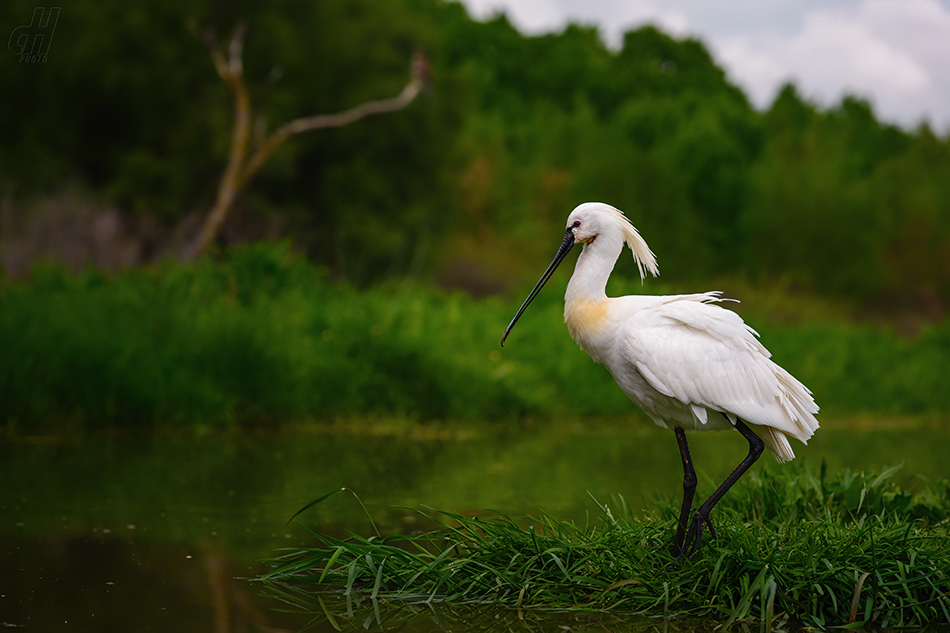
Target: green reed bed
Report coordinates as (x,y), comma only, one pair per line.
(793,546)
(261,337)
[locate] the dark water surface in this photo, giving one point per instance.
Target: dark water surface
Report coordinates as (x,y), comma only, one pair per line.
(125,533)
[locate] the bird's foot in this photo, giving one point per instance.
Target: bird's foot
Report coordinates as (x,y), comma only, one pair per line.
(694,535)
(676,547)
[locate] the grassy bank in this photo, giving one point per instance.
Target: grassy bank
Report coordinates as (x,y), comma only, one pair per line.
(262,337)
(793,545)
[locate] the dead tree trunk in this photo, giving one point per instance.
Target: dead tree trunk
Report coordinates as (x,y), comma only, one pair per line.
(241,167)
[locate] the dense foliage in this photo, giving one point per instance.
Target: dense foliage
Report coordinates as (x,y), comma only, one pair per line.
(470,184)
(263,337)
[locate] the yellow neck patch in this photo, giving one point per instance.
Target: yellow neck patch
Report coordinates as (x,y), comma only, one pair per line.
(585,317)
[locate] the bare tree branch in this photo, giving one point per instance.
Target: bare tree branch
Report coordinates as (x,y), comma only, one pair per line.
(240,169)
(232,72)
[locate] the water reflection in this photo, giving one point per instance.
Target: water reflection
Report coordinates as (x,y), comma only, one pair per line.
(333,612)
(127,533)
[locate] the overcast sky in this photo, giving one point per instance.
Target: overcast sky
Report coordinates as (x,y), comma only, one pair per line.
(896,53)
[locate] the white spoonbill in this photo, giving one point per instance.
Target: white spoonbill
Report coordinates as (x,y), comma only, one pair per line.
(688,363)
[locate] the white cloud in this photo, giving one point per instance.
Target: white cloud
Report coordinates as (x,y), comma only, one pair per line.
(613,17)
(888,51)
(530,16)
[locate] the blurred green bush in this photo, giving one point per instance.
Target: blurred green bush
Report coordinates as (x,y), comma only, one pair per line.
(263,337)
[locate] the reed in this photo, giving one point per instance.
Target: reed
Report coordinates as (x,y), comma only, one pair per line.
(816,550)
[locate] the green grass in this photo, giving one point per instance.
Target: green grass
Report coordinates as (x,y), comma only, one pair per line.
(262,338)
(793,546)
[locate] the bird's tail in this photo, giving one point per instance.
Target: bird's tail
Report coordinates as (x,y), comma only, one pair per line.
(777,443)
(799,405)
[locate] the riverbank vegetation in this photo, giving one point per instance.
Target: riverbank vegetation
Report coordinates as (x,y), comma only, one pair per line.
(795,547)
(263,337)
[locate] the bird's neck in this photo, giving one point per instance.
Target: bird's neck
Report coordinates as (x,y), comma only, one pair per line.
(593,268)
(586,303)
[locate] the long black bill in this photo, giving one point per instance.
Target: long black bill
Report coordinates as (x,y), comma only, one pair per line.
(562,252)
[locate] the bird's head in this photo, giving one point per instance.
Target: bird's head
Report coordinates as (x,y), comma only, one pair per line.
(591,220)
(587,223)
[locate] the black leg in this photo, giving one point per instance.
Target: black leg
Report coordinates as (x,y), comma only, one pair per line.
(701,517)
(689,489)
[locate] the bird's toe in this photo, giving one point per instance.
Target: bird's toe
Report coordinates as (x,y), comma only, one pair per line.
(712,529)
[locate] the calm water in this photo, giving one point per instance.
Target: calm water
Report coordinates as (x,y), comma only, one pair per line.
(117,533)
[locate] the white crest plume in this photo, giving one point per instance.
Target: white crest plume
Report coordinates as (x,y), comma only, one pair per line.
(646,260)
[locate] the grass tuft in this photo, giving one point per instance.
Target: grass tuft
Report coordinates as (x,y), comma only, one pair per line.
(822,551)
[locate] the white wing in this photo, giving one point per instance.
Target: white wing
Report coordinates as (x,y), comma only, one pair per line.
(707,358)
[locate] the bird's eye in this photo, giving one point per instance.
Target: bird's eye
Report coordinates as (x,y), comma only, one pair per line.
(576,224)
